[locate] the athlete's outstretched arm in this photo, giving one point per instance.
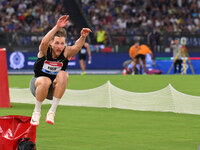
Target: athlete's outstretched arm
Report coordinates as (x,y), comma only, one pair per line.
(62,21)
(73,50)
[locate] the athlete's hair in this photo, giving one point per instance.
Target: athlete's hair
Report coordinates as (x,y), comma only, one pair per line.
(61,33)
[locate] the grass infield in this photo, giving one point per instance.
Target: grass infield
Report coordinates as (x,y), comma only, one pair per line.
(83,128)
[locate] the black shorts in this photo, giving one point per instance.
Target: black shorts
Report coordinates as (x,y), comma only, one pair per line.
(140,56)
(82,56)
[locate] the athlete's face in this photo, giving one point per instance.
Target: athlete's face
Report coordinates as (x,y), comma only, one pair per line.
(58,45)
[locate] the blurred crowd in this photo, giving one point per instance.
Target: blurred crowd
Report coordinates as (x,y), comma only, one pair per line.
(114,16)
(139,16)
(29,15)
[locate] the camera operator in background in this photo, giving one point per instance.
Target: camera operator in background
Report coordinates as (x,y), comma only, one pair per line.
(177,54)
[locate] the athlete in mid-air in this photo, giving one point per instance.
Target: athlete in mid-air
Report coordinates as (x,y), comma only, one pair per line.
(50,78)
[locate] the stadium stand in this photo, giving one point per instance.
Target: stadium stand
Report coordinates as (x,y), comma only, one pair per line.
(24,22)
(29,20)
(140,16)
(151,21)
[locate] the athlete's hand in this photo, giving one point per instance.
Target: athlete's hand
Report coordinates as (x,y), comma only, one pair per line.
(85,32)
(62,21)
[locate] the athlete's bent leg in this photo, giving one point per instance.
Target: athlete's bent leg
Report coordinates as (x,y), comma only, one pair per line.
(140,64)
(60,84)
(135,65)
(42,85)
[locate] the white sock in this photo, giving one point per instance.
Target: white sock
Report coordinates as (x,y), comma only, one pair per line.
(54,104)
(38,106)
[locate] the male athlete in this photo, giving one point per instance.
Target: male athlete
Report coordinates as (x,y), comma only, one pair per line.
(83,55)
(50,79)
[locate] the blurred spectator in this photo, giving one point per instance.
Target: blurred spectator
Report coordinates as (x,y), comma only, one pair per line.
(101,36)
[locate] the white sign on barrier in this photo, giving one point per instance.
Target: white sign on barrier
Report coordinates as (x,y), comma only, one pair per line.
(17,60)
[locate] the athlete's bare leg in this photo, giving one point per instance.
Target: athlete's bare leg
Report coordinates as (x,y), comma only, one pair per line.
(82,64)
(144,64)
(140,64)
(136,61)
(60,84)
(42,85)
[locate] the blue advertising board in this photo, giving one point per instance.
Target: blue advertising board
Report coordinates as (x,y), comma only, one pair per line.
(21,60)
(108,61)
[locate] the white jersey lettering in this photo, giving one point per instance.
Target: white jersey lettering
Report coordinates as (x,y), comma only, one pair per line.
(51,67)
